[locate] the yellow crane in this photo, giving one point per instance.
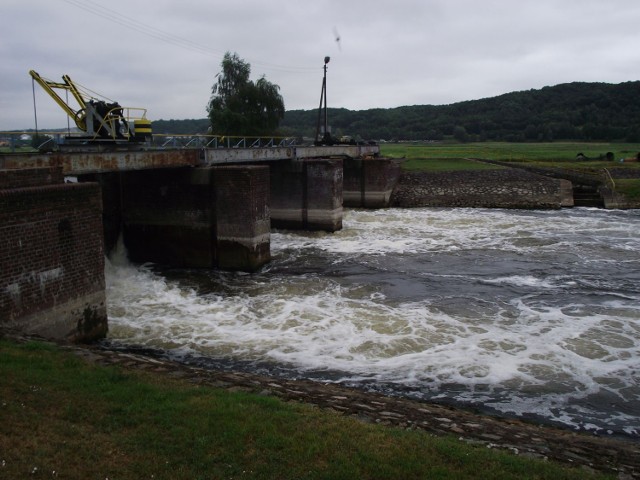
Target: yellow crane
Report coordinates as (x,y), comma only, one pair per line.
(102,119)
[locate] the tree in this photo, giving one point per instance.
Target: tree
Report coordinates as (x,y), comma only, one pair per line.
(239,106)
(460,133)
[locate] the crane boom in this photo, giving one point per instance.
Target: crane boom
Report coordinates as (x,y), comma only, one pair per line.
(50,87)
(101,120)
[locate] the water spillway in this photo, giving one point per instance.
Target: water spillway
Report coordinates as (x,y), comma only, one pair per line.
(525,313)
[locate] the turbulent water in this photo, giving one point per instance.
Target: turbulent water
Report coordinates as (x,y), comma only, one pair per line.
(527,313)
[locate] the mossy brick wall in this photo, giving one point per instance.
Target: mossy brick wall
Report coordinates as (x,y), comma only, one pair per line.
(52,259)
(30,177)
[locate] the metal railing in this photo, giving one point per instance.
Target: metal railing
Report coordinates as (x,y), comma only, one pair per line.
(13,141)
(219,141)
(609,181)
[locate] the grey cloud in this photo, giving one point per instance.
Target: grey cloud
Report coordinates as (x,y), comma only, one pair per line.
(164,55)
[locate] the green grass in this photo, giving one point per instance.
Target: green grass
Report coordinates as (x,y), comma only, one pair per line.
(445,164)
(60,414)
(18,150)
(439,157)
(550,151)
(629,187)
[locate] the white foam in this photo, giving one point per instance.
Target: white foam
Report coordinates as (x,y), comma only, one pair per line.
(312,322)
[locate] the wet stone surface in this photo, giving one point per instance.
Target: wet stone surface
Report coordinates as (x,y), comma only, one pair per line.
(618,456)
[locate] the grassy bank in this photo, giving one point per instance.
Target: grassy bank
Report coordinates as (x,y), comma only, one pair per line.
(438,157)
(551,151)
(63,418)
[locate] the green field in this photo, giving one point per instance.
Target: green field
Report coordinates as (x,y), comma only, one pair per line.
(63,418)
(439,157)
(552,151)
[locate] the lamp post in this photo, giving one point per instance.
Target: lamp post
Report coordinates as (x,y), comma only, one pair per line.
(326,138)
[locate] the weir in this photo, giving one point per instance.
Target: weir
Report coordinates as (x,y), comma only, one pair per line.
(194,208)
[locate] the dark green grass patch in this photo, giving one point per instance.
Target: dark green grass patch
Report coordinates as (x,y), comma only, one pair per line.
(445,165)
(549,151)
(63,418)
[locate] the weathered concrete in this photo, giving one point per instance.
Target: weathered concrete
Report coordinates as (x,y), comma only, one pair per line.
(566,193)
(110,187)
(323,203)
(78,163)
(79,319)
(167,218)
(307,195)
(216,156)
(243,222)
(369,181)
(602,185)
(198,217)
(615,200)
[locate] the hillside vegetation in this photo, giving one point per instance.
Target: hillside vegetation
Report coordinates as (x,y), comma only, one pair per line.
(573,111)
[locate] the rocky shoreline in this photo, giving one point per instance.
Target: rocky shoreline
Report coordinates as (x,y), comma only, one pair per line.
(499,188)
(609,455)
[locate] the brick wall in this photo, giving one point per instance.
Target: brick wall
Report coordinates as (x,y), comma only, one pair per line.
(30,177)
(52,258)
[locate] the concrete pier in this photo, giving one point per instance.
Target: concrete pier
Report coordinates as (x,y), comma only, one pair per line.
(369,181)
(208,217)
(183,208)
(307,194)
(243,229)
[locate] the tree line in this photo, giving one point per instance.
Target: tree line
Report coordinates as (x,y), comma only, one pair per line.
(237,106)
(571,111)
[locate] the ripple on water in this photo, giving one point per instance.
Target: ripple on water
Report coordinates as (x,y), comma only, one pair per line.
(526,313)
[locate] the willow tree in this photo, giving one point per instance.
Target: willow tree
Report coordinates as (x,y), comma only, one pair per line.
(239,106)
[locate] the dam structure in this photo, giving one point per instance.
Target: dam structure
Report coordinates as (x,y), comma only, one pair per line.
(213,207)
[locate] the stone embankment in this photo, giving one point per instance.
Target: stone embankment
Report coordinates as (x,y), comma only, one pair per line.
(598,179)
(618,456)
(499,188)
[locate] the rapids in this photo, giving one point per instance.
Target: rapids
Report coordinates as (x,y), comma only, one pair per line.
(525,313)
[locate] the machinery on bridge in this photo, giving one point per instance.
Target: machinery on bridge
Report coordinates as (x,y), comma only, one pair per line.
(104,121)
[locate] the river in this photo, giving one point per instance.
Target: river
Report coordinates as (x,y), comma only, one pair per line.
(533,314)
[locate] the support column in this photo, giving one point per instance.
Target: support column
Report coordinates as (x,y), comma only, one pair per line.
(111,201)
(307,195)
(323,203)
(198,217)
(243,230)
(369,182)
(167,216)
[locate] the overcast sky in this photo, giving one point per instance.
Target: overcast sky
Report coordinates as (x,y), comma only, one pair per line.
(164,54)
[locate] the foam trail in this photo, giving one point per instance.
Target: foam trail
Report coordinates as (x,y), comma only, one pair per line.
(526,313)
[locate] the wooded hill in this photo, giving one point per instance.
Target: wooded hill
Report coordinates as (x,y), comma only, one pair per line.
(572,111)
